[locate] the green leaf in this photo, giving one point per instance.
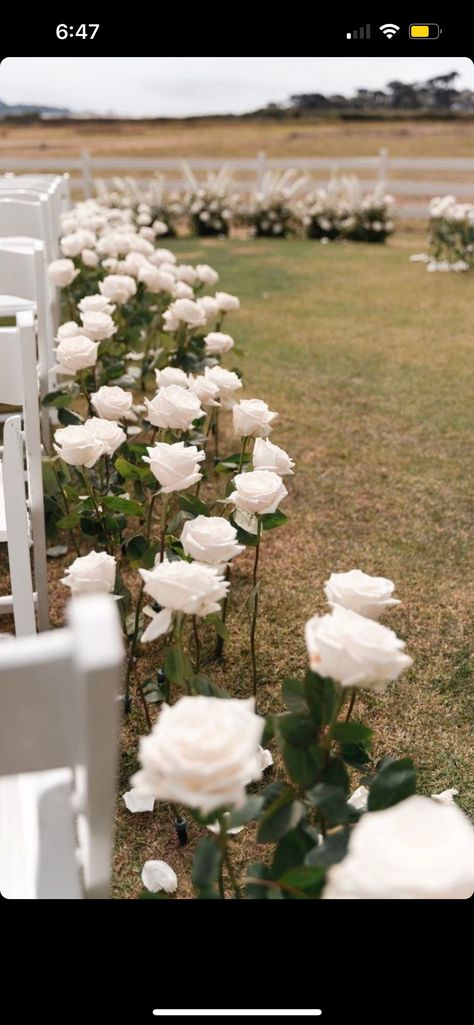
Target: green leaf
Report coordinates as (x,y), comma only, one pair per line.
(305,878)
(59,399)
(331,851)
(250,811)
(271,520)
(355,755)
(69,522)
(321,697)
(294,695)
(203,685)
(91,526)
(193,505)
(255,870)
(281,816)
(131,472)
(335,773)
(303,763)
(140,553)
(123,505)
(69,419)
(290,852)
(331,801)
(352,733)
(296,728)
(243,536)
(395,781)
(269,730)
(206,863)
(231,463)
(219,625)
(177,666)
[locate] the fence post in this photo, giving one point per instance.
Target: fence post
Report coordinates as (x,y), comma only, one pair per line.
(383,165)
(87,173)
(261,168)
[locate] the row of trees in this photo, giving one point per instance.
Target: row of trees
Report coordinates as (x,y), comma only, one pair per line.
(438,93)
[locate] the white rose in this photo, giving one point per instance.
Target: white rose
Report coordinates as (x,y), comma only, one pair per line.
(119,288)
(68,330)
(210,539)
(206,274)
(227,382)
(76,446)
(160,228)
(97,325)
(134,262)
(258,492)
(205,389)
(154,279)
(91,573)
(354,651)
(144,218)
(89,257)
(208,305)
(183,311)
(141,245)
(218,343)
(201,751)
(76,352)
(416,850)
(369,596)
(111,265)
(184,272)
(252,418)
(107,432)
(95,304)
(112,403)
(174,407)
(190,587)
(163,256)
(226,303)
(62,273)
(158,875)
(176,467)
(71,245)
(182,291)
(267,456)
(171,375)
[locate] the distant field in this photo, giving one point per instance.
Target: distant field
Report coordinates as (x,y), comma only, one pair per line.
(230,138)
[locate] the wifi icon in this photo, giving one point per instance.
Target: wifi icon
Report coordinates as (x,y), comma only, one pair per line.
(389,30)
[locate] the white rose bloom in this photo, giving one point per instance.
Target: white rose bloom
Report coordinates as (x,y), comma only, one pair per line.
(446,796)
(258,492)
(227,382)
(76,446)
(160,228)
(148,233)
(91,573)
(176,467)
(163,256)
(174,407)
(182,291)
(95,304)
(252,418)
(107,432)
(267,456)
(355,651)
(68,330)
(144,218)
(119,288)
(154,279)
(369,596)
(201,751)
(112,403)
(158,875)
(226,303)
(62,273)
(171,375)
(183,311)
(359,798)
(89,257)
(184,272)
(71,245)
(206,274)
(97,325)
(205,389)
(76,352)
(137,800)
(218,343)
(210,539)
(141,245)
(111,265)
(190,587)
(416,850)
(134,262)
(208,305)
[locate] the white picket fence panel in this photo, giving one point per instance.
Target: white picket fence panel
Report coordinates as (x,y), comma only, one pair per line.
(85,168)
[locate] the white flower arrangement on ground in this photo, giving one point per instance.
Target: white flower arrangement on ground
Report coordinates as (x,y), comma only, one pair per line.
(211,205)
(451,235)
(343,211)
(269,212)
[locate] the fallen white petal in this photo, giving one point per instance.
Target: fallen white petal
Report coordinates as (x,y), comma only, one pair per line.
(446,796)
(138,800)
(158,875)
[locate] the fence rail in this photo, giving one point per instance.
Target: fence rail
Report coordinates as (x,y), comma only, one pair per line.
(86,168)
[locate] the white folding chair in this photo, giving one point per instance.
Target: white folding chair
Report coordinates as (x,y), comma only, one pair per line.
(23,286)
(23,220)
(19,387)
(59,722)
(14,531)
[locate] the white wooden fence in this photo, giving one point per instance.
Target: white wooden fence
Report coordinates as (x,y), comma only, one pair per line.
(382,167)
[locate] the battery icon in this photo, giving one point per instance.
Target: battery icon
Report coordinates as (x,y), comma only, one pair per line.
(429,31)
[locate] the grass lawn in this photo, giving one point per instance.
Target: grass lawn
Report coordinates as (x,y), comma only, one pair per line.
(369,361)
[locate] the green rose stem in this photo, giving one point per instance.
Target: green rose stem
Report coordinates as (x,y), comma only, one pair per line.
(351,704)
(100,518)
(85,392)
(67,510)
(136,626)
(197,641)
(164,513)
(253,628)
(226,859)
(242,454)
(220,640)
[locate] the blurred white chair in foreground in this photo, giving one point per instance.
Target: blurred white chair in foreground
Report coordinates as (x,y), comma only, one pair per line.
(59,723)
(19,387)
(14,530)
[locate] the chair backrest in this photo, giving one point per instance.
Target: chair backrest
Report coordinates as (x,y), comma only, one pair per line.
(17,529)
(19,387)
(59,705)
(19,217)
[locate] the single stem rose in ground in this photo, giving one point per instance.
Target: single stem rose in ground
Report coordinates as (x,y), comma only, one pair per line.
(226,860)
(253,628)
(100,518)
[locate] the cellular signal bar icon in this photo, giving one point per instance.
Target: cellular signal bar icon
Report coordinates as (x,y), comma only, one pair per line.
(361,33)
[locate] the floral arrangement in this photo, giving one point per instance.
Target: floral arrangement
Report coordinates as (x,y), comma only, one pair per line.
(269,212)
(343,211)
(211,205)
(156,211)
(142,400)
(451,235)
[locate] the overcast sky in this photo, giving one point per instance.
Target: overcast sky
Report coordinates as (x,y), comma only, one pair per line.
(203,85)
